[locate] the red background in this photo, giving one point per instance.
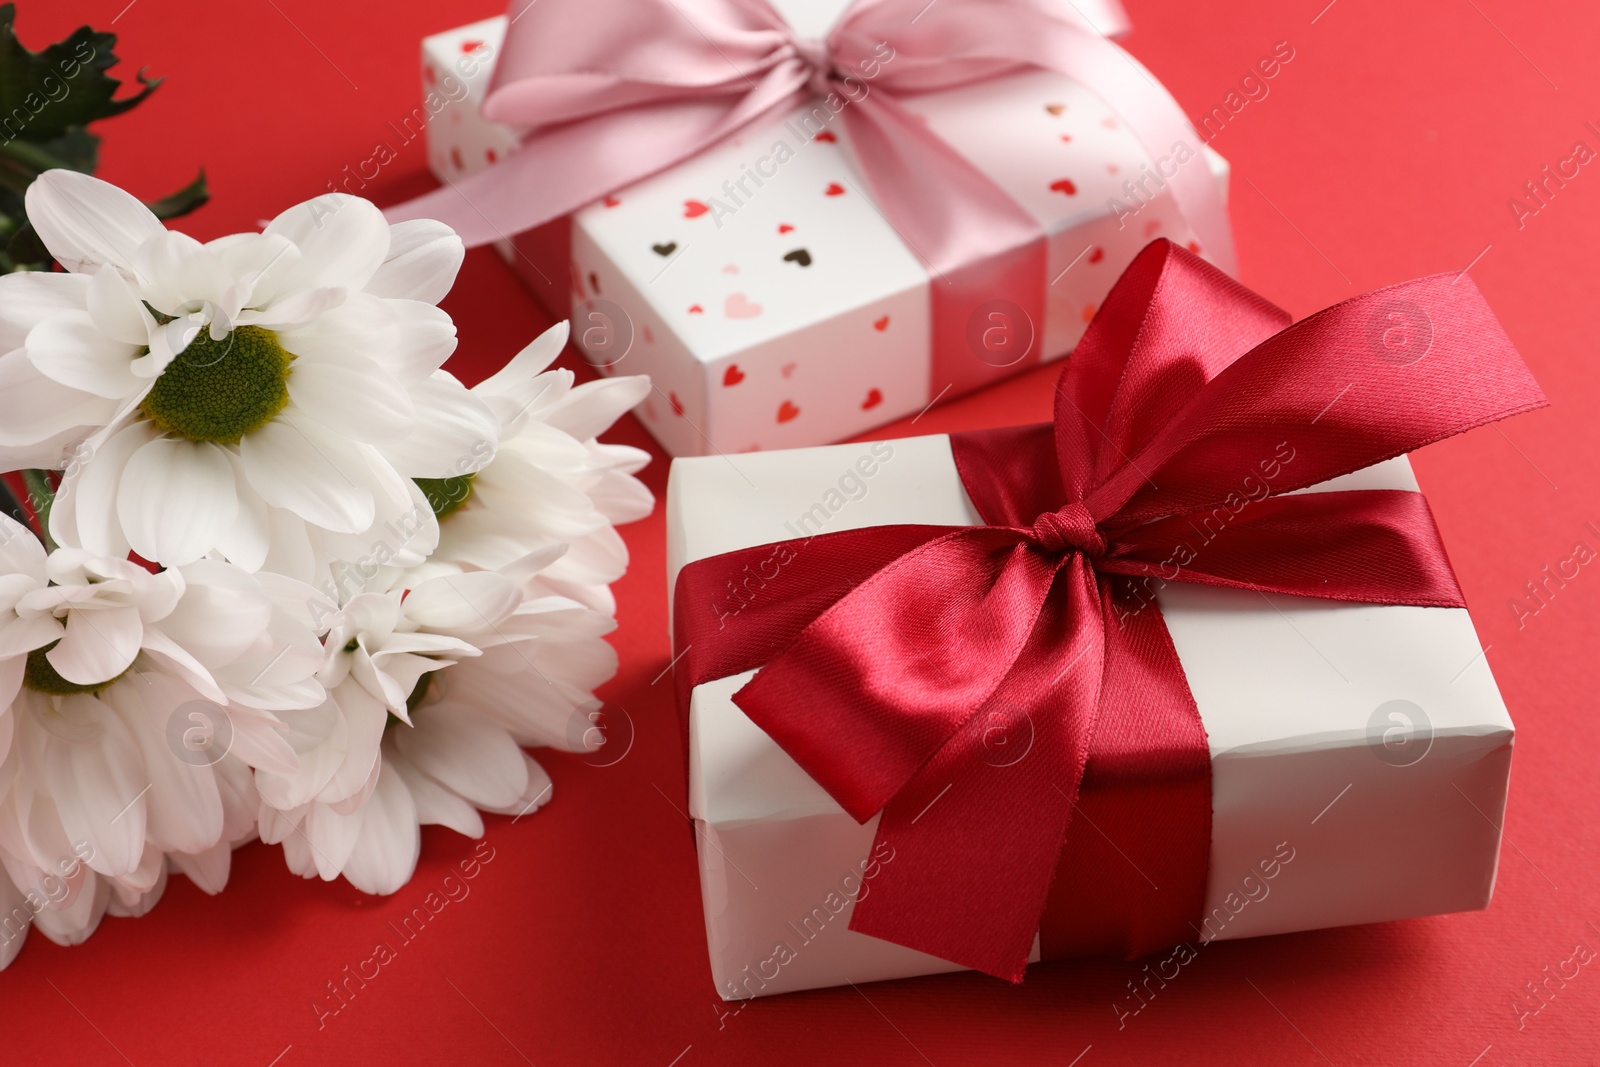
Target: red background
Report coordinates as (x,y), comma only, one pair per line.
(1387,148)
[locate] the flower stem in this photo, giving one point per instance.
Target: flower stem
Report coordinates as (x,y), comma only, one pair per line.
(40,497)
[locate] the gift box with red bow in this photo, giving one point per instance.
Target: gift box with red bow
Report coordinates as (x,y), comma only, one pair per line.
(808,219)
(1188,663)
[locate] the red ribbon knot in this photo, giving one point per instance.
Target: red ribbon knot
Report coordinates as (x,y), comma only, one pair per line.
(1069,527)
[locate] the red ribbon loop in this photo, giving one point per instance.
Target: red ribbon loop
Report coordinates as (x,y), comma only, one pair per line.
(890,656)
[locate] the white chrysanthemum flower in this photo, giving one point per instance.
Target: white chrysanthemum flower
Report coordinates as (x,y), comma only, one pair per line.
(203,385)
(382,645)
(551,482)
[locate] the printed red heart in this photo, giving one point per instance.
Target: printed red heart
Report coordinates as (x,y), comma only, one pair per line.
(1088,312)
(1194,246)
(1111,168)
(787,370)
(490,154)
(1097,255)
(455,157)
(826,135)
(693,209)
(1065,185)
(1151,227)
(649,338)
(787,411)
(611,201)
(594,283)
(650,410)
(1066,137)
(677,405)
(881,324)
(430,75)
(471,45)
(696,309)
(874,398)
(733,375)
(784,227)
(1055,109)
(834,189)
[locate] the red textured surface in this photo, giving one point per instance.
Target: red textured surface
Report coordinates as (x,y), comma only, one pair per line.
(1387,148)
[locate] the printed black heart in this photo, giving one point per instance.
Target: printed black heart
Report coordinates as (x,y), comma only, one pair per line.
(800,256)
(666,249)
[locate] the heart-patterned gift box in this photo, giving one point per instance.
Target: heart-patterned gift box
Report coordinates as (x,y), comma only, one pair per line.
(759,284)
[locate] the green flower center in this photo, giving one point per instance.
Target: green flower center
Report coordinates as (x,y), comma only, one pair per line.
(41,677)
(445,495)
(221,390)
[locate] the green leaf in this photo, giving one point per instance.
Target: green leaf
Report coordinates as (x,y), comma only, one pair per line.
(45,94)
(26,248)
(183,201)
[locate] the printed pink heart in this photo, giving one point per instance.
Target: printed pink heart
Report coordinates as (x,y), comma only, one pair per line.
(693,209)
(733,375)
(874,398)
(650,410)
(677,405)
(1065,185)
(611,201)
(787,370)
(787,411)
(834,189)
(731,268)
(784,227)
(1111,168)
(1151,227)
(1109,124)
(739,306)
(696,309)
(649,338)
(881,324)
(1067,137)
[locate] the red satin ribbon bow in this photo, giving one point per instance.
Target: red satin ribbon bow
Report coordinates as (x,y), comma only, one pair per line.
(891,655)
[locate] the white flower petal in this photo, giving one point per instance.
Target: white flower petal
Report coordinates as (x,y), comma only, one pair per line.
(436,805)
(179,273)
(98,645)
(355,394)
(86,222)
(295,464)
(534,358)
(71,350)
(465,754)
(96,783)
(385,853)
(85,511)
(342,240)
(29,296)
(258,263)
(176,500)
(535,795)
(424,256)
(115,308)
(208,870)
(460,603)
(455,432)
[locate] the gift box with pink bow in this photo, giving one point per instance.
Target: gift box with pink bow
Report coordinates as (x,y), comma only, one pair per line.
(808,218)
(1187,663)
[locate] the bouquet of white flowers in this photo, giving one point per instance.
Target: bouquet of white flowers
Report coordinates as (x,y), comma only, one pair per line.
(290,579)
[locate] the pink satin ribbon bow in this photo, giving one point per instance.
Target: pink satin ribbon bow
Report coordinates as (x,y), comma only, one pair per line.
(616,90)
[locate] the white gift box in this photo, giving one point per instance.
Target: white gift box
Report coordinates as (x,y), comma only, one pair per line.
(760,286)
(1360,753)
